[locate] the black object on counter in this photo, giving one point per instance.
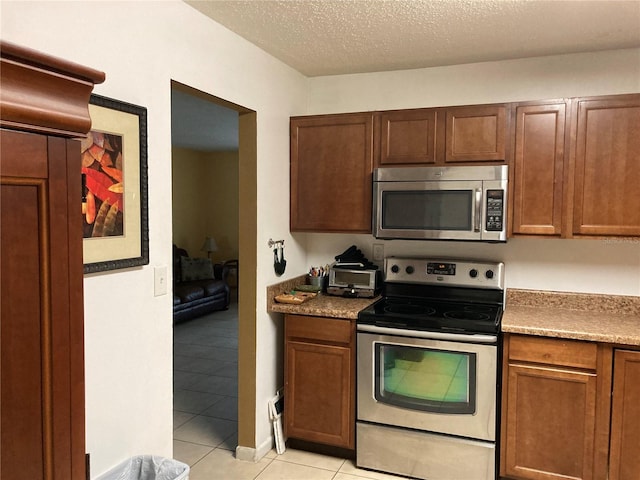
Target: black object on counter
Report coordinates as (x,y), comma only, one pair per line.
(354,259)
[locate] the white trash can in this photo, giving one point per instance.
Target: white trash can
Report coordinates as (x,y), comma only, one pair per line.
(148,467)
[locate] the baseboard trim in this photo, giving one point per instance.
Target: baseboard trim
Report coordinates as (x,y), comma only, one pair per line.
(254,455)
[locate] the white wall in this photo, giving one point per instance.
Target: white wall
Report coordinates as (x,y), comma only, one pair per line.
(593,266)
(205,201)
(609,72)
(142,46)
(597,266)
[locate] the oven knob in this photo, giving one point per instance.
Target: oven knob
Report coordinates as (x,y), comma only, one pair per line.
(409,270)
(489,274)
(395,268)
(473,273)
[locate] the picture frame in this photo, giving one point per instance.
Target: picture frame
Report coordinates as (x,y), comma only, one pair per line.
(114,187)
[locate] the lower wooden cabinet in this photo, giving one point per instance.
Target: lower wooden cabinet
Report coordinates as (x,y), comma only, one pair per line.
(560,419)
(553,411)
(624,463)
(320,380)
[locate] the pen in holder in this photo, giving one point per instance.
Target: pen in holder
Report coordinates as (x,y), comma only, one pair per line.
(318,277)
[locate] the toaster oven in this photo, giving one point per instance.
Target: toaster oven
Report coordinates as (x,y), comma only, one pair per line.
(345,282)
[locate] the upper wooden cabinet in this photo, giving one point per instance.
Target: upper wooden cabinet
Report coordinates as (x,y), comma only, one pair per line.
(606,166)
(444,135)
(576,167)
(331,170)
(476,134)
(574,163)
(538,169)
(408,137)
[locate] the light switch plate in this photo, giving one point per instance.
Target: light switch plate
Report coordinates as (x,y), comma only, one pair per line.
(160,280)
(378,251)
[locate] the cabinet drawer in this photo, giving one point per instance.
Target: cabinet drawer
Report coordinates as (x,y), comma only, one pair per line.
(318,328)
(553,351)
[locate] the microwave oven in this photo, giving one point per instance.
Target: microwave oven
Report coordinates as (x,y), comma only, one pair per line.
(441,203)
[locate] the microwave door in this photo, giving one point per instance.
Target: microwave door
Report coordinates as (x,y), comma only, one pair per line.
(429,210)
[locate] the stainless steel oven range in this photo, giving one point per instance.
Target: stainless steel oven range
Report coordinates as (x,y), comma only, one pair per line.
(427,370)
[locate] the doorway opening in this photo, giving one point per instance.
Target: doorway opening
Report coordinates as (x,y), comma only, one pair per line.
(214,192)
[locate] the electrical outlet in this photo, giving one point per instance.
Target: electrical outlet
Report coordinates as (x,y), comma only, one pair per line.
(160,280)
(378,251)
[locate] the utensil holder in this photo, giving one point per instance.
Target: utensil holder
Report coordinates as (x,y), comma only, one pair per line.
(317,281)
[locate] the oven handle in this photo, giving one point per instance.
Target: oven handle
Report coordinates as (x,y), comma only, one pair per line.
(454,337)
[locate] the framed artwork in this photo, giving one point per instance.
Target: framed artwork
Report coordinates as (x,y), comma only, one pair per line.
(114,187)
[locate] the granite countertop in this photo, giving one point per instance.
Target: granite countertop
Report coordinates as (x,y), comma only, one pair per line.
(321,306)
(598,318)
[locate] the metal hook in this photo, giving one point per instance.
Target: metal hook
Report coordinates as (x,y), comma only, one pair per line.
(272,243)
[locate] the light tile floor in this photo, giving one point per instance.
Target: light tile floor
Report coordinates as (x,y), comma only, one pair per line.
(205,417)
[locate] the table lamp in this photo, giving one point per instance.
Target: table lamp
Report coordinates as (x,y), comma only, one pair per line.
(209,246)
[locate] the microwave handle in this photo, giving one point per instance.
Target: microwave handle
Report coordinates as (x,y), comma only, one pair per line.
(477,205)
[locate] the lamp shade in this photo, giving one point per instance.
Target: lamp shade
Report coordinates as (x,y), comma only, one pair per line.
(209,245)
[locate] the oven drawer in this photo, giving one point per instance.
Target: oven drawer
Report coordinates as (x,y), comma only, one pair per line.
(435,456)
(553,351)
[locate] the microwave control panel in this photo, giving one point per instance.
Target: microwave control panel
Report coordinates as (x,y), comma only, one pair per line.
(495,210)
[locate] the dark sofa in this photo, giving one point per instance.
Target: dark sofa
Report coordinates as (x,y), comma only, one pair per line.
(199,287)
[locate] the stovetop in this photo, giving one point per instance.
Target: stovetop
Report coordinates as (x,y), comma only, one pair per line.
(432,315)
(457,296)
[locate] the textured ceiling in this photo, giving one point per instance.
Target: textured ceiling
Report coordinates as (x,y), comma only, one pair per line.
(329,37)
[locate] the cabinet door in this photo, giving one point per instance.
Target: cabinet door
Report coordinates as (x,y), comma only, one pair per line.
(41,321)
(408,137)
(607,167)
(318,394)
(331,173)
(625,417)
(476,134)
(551,415)
(538,169)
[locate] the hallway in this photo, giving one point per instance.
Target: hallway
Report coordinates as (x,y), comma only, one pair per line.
(205,416)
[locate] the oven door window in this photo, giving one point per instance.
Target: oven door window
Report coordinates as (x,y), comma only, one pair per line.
(431,380)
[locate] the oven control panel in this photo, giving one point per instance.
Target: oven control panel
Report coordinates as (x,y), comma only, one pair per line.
(459,273)
(434,268)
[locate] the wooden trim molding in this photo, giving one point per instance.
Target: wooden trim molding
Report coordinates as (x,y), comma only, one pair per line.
(41,93)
